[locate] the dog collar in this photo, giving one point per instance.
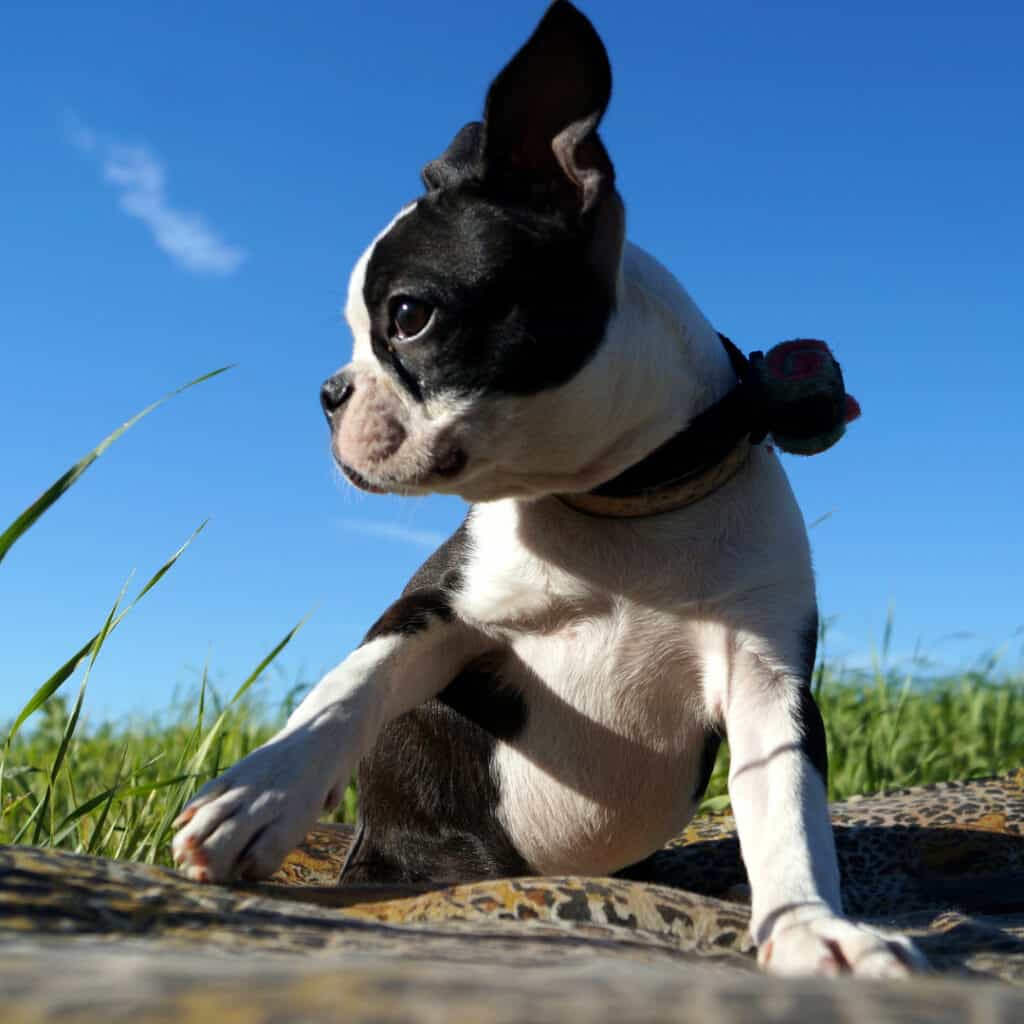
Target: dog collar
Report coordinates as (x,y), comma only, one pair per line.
(668,497)
(795,393)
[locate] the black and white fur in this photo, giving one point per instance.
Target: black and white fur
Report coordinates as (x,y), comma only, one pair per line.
(549,693)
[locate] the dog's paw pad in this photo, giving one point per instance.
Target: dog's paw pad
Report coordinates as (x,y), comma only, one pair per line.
(246,822)
(834,945)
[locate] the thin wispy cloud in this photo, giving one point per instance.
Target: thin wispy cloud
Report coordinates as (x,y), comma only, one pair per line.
(393,531)
(140,180)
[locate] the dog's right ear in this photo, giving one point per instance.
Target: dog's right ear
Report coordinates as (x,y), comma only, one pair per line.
(459,162)
(540,138)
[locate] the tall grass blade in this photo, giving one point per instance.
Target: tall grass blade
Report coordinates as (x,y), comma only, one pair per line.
(887,636)
(204,749)
(57,680)
(107,799)
(121,788)
(35,511)
(28,822)
(194,771)
(14,805)
(818,678)
(72,722)
(262,666)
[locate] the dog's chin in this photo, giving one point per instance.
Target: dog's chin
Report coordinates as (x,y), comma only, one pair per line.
(442,478)
(357,480)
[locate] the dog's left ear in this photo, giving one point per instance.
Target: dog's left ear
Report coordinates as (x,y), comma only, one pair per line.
(459,162)
(542,112)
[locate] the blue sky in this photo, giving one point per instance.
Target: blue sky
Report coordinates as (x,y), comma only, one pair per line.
(185,187)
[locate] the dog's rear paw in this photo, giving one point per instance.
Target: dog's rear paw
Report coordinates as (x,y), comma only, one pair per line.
(243,824)
(833,945)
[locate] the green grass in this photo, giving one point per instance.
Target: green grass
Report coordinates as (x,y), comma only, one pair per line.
(887,731)
(119,785)
(114,788)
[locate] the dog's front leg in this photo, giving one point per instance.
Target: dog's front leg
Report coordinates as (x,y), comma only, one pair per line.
(245,822)
(777,787)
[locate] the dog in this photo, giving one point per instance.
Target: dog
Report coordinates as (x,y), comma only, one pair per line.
(630,585)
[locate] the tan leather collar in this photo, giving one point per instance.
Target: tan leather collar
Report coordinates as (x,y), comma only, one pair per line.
(667,497)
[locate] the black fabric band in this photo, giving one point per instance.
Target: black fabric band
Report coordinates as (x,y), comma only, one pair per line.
(709,438)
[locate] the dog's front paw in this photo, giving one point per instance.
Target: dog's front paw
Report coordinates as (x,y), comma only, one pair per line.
(243,824)
(834,945)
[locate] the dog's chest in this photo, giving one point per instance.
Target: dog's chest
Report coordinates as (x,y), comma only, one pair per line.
(605,769)
(606,765)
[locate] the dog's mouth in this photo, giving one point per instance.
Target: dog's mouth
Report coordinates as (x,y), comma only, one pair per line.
(448,466)
(358,480)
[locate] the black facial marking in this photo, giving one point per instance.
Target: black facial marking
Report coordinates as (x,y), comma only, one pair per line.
(516,245)
(808,717)
(519,304)
(388,355)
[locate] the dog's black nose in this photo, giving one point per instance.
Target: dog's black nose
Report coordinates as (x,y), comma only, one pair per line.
(334,393)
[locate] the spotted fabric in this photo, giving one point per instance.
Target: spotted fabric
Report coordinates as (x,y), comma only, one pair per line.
(944,864)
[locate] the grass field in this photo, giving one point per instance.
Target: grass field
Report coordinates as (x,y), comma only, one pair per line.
(114,789)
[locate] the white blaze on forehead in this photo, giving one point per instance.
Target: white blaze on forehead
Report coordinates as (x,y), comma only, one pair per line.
(356,313)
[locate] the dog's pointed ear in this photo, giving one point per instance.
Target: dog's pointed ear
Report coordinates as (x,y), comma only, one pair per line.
(459,162)
(542,113)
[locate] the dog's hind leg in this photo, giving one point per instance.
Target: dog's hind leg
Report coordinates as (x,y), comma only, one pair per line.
(429,792)
(244,823)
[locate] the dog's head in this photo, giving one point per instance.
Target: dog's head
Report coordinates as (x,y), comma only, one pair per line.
(480,312)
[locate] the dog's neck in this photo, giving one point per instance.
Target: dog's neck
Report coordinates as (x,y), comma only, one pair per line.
(672,367)
(661,364)
(665,327)
(690,465)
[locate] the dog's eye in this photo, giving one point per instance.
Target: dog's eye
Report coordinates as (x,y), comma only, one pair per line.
(410,317)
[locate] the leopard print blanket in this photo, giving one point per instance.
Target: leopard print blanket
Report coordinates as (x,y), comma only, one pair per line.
(944,864)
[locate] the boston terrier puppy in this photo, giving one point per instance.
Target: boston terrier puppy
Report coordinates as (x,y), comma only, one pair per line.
(632,582)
